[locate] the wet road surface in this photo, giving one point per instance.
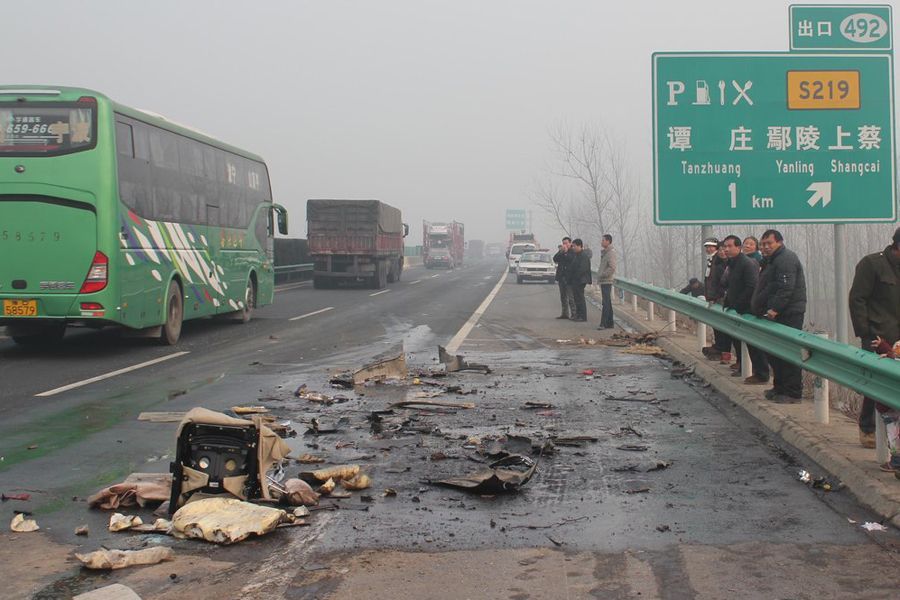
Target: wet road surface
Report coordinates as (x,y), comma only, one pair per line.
(605,512)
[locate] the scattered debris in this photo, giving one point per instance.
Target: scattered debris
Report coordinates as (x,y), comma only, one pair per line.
(120,559)
(342,381)
(389,368)
(309,459)
(429,404)
(819,483)
(663,528)
(646,350)
(646,468)
(20,524)
(869,526)
(161,417)
(633,448)
(340,472)
(327,488)
(116,591)
(120,522)
(305,394)
(537,405)
(82,530)
(299,493)
(587,372)
(555,543)
(505,475)
(573,440)
(158,526)
(389,493)
(455,363)
(249,410)
(359,482)
(301,511)
(316,427)
(637,490)
(225,520)
(138,489)
(22,497)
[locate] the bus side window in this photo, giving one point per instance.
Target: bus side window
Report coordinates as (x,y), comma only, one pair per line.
(124,140)
(141,142)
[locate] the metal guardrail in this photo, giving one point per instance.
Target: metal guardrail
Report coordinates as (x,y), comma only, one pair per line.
(851,367)
(286,272)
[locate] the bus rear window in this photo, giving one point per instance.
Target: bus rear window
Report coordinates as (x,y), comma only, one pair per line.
(41,128)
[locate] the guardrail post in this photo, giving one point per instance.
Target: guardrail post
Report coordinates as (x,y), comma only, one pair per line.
(650,307)
(746,364)
(882,454)
(634,305)
(671,321)
(701,334)
(821,392)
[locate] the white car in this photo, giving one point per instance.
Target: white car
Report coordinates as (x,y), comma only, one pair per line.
(536,266)
(517,250)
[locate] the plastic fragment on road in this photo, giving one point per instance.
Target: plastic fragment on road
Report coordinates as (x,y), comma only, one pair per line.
(382,370)
(327,487)
(116,591)
(360,482)
(869,526)
(139,489)
(20,524)
(82,530)
(225,520)
(432,404)
(107,560)
(158,526)
(300,512)
(305,393)
(120,522)
(299,493)
(309,459)
(339,472)
(22,497)
(249,410)
(161,417)
(505,475)
(454,363)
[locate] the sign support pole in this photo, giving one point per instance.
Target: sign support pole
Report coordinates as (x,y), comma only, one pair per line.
(841,285)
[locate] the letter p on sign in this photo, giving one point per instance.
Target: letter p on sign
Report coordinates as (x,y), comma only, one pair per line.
(675,88)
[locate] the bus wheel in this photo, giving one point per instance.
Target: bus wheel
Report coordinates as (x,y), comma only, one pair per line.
(171,329)
(246,313)
(48,335)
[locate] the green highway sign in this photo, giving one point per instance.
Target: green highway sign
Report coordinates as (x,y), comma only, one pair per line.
(840,27)
(515,218)
(773,137)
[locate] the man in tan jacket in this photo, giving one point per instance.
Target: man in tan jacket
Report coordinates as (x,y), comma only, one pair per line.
(607,275)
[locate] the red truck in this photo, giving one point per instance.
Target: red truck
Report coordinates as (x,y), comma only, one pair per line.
(443,244)
(355,240)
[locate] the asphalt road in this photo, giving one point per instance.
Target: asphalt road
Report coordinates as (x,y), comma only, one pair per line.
(726,517)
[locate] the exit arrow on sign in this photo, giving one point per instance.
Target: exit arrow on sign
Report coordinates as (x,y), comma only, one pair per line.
(821,192)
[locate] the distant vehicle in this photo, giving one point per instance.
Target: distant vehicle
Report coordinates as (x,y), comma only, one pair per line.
(475,249)
(448,236)
(520,238)
(517,250)
(536,266)
(115,216)
(493,249)
(440,258)
(355,240)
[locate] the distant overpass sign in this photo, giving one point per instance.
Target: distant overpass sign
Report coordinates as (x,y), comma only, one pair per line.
(773,137)
(516,218)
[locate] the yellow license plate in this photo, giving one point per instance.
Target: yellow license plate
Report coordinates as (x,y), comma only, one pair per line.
(20,308)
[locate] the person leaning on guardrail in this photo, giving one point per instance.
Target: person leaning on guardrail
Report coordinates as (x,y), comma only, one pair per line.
(715,270)
(743,275)
(781,297)
(875,314)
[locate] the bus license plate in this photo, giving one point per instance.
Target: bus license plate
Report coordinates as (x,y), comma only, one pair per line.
(20,308)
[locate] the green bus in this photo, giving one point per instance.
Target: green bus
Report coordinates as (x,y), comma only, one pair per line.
(116,216)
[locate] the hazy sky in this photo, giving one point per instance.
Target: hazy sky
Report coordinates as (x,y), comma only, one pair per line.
(441,108)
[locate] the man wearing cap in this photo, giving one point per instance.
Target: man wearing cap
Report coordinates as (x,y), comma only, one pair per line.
(715,269)
(875,313)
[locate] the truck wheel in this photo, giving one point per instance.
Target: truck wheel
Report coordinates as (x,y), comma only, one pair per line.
(392,272)
(171,329)
(379,280)
(399,269)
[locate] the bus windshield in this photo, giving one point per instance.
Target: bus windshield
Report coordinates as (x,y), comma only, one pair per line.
(45,128)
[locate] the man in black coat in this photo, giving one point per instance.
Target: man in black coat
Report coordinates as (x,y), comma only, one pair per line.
(563,258)
(875,313)
(715,272)
(578,276)
(743,274)
(781,296)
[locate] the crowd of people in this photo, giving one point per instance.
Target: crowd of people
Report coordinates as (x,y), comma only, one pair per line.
(763,277)
(573,274)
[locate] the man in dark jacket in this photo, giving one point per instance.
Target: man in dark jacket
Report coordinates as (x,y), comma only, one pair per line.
(694,288)
(715,271)
(562,259)
(578,276)
(875,312)
(781,296)
(743,274)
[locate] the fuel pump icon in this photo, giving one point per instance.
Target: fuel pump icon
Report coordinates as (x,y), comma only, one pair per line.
(702,95)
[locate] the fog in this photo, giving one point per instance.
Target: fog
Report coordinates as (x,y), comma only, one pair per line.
(443,109)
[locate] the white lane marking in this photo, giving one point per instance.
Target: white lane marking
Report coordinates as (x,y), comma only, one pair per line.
(379,293)
(487,277)
(79,384)
(312,314)
(415,282)
(469,325)
(291,286)
(435,275)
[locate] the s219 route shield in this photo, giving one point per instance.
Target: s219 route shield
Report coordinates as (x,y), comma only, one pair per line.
(773,138)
